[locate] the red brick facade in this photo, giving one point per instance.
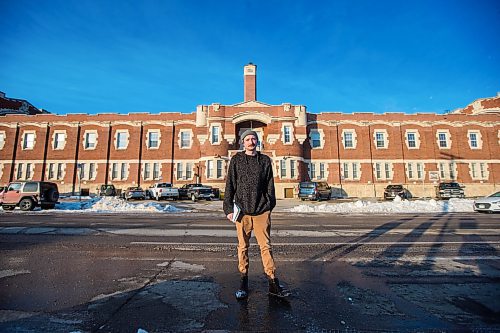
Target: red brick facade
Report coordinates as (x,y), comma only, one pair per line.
(358,154)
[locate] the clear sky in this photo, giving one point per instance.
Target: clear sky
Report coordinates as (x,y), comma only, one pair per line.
(83,56)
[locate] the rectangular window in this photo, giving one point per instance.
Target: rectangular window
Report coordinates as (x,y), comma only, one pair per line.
(380,139)
(315,139)
(28,170)
(189,170)
(210,169)
(179,171)
(473,170)
(114,171)
(219,168)
(354,170)
(412,143)
(322,170)
(410,170)
(90,140)
(452,170)
(419,171)
(59,140)
(287,134)
(443,143)
(124,171)
(153,140)
(91,171)
(313,171)
(387,171)
(473,140)
(121,140)
(346,170)
(20,171)
(147,170)
(482,170)
(378,170)
(283,168)
(29,141)
(59,171)
(81,167)
(348,143)
(215,134)
(156,171)
(292,168)
(441,170)
(2,139)
(51,170)
(185,138)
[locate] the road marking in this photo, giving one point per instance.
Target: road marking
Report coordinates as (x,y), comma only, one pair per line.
(315,244)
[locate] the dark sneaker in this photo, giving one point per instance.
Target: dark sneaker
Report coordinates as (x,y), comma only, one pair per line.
(276,289)
(242,293)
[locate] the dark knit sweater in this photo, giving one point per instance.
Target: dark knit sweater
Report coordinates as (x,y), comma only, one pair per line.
(250,184)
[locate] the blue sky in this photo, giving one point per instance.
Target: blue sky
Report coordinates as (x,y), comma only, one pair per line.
(157,56)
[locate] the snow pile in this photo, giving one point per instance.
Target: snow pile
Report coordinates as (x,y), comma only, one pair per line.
(112,204)
(396,206)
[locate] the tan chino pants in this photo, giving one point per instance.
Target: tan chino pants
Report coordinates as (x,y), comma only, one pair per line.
(261,225)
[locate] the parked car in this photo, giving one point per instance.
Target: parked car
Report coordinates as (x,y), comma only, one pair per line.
(184,189)
(160,191)
(314,191)
(107,190)
(30,194)
(393,190)
(447,190)
(488,204)
(134,192)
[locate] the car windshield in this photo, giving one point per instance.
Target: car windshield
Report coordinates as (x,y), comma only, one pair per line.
(164,185)
(307,185)
(495,195)
(449,185)
(394,187)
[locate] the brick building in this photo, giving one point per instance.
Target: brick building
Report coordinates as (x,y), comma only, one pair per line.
(357,154)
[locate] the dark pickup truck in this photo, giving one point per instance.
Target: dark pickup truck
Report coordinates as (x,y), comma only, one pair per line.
(449,190)
(196,192)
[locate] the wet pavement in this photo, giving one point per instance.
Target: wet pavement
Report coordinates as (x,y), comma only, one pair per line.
(105,273)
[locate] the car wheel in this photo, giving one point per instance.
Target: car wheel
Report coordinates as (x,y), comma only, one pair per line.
(27,204)
(193,198)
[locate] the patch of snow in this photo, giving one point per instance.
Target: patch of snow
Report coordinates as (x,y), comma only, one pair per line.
(10,272)
(388,207)
(112,204)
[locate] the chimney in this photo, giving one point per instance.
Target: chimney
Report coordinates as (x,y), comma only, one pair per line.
(250,77)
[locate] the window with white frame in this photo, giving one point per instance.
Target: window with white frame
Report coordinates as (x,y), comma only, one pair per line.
(322,170)
(156,171)
(315,138)
(92,171)
(124,171)
(349,138)
(411,139)
(121,139)
(2,139)
(59,140)
(447,170)
(443,139)
(478,170)
(380,139)
(185,138)
(414,170)
(312,171)
(60,171)
(56,171)
(219,168)
(383,171)
(287,134)
(28,140)
(81,170)
(114,171)
(90,140)
(189,170)
(210,169)
(292,169)
(51,170)
(180,171)
(475,140)
(87,171)
(351,171)
(283,168)
(147,171)
(19,174)
(215,134)
(153,139)
(28,171)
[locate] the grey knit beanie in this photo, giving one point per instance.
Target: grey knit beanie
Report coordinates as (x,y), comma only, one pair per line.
(248,132)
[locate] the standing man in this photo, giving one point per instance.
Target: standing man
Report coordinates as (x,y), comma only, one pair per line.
(250,185)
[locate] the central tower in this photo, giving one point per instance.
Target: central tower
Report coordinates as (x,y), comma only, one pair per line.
(250,77)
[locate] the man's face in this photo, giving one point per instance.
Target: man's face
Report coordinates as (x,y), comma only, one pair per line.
(250,142)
